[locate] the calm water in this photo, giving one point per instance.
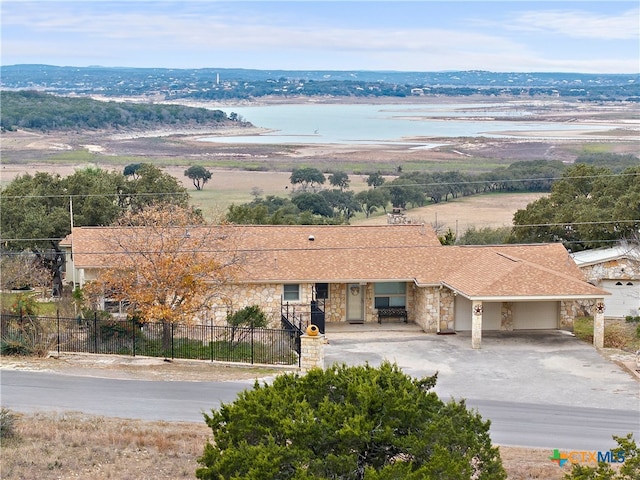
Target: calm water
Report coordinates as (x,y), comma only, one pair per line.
(353,124)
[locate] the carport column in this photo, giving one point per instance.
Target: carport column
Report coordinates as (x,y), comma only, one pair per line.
(476,324)
(598,324)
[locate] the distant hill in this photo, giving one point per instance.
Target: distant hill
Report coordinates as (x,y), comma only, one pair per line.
(224,83)
(47,112)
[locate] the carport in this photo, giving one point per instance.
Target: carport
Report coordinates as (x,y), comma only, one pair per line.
(484,314)
(509,315)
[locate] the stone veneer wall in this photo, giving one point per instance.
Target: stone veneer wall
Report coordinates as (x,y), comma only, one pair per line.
(506,316)
(619,269)
(237,297)
(311,352)
(433,307)
(268,297)
(572,309)
(335,305)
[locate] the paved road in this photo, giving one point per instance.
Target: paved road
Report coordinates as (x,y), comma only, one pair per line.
(513,423)
(29,391)
(539,390)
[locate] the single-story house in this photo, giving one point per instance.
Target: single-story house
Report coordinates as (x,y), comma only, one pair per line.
(616,270)
(356,273)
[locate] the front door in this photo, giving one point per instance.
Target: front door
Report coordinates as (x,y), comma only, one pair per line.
(355,303)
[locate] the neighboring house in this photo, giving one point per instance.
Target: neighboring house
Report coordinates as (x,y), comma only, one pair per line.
(616,270)
(353,272)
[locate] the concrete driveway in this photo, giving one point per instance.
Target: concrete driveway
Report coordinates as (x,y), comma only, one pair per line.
(535,367)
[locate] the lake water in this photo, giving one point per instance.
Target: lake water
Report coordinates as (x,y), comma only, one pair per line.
(379,124)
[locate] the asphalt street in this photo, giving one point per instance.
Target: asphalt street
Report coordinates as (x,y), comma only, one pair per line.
(545,390)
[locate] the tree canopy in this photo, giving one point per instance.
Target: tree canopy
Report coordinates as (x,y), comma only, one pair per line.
(199,175)
(164,268)
(274,210)
(349,423)
(307,178)
(37,209)
(43,111)
(588,207)
(340,180)
(627,453)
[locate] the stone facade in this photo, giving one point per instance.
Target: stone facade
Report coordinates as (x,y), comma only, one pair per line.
(618,269)
(506,316)
(434,308)
(570,310)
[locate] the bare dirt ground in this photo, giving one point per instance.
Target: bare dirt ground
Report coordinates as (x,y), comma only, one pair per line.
(479,212)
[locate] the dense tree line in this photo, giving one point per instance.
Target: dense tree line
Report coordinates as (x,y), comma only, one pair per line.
(42,111)
(221,83)
(361,89)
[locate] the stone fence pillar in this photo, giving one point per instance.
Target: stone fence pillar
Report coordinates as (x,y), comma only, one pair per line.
(311,352)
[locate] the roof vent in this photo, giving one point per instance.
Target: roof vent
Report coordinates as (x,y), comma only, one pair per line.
(311,238)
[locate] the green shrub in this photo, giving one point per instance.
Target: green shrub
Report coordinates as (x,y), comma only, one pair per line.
(15,345)
(24,304)
(28,337)
(7,423)
(632,319)
(583,328)
(348,422)
(249,316)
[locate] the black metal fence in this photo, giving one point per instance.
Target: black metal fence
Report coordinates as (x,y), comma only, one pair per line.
(156,339)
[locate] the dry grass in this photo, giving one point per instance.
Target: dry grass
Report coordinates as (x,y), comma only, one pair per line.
(73,445)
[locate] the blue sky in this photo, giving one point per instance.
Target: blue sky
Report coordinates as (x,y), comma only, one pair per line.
(502,36)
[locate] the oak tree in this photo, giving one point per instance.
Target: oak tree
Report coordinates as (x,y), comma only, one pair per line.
(166,264)
(588,207)
(307,178)
(340,180)
(198,175)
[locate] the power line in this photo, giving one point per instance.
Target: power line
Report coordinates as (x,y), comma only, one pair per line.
(496,181)
(88,195)
(530,225)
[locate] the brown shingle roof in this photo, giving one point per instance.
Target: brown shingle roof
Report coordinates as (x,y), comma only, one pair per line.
(371,253)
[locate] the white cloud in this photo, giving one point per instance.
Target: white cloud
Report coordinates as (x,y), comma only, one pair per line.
(193,35)
(580,24)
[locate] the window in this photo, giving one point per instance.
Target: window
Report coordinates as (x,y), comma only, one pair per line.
(390,294)
(291,292)
(322,290)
